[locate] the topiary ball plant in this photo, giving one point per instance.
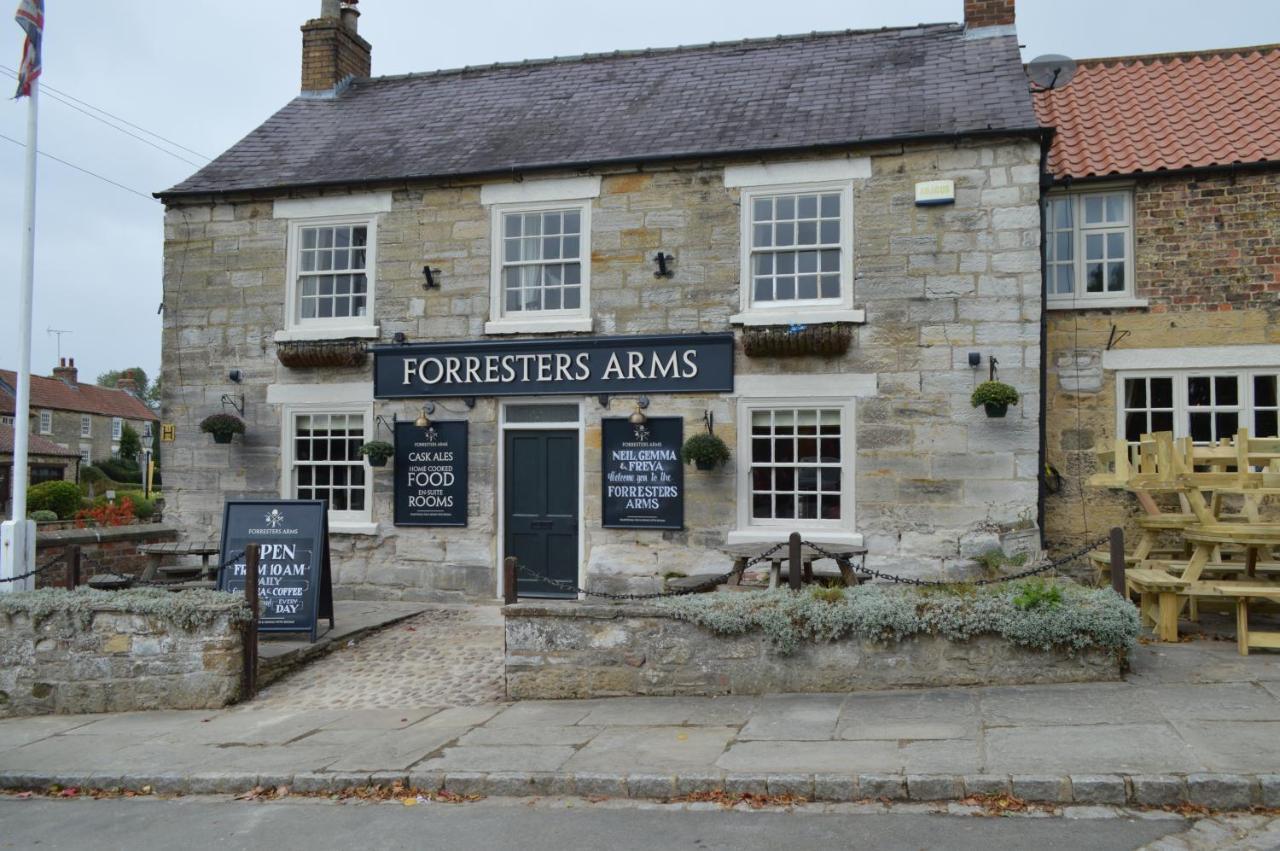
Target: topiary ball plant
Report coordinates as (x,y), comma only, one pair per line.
(705,451)
(222,427)
(995,397)
(377,452)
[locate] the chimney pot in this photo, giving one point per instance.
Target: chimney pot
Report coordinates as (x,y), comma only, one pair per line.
(329,8)
(350,16)
(66,371)
(981,14)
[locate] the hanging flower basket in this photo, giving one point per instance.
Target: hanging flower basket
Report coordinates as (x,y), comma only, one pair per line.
(704,451)
(307,354)
(780,341)
(995,397)
(376,452)
(222,426)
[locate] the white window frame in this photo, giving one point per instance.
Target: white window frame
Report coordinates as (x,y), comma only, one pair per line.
(791,312)
(1078,298)
(86,425)
(539,321)
(1182,408)
(8,420)
(349,522)
(117,428)
(361,209)
(86,453)
(46,422)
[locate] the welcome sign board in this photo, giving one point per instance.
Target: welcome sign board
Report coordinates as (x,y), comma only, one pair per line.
(643,478)
(295,584)
(671,363)
(431,474)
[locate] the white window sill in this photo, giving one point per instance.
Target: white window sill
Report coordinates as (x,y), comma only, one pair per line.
(539,326)
(352,527)
(773,536)
(799,316)
(1094,303)
(329,332)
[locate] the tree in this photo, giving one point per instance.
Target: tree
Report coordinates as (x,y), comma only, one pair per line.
(148,391)
(130,444)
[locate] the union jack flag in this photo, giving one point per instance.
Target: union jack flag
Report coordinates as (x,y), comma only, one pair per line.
(30,17)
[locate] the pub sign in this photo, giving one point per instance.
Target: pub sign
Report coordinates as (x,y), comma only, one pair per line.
(643,478)
(431,474)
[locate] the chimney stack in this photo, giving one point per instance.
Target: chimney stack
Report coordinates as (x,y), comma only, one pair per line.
(332,50)
(985,14)
(66,370)
(127,384)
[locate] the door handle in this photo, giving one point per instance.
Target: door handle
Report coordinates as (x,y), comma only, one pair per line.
(541,524)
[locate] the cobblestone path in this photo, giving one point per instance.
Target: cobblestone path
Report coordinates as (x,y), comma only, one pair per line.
(446,656)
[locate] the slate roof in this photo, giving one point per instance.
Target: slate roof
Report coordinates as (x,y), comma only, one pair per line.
(1136,114)
(784,93)
(85,398)
(36,445)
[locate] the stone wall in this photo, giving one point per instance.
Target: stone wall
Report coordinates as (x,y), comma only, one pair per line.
(104,657)
(936,283)
(574,650)
(1207,257)
(112,548)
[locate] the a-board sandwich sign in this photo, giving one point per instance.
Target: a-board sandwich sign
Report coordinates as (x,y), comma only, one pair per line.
(643,478)
(431,474)
(295,580)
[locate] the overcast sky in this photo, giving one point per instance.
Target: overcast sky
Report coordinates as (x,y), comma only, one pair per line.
(204,73)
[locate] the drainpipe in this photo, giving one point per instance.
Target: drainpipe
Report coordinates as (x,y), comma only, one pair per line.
(1045,181)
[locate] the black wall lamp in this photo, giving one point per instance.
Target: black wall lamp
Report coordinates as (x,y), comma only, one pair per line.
(432,277)
(399,338)
(664,271)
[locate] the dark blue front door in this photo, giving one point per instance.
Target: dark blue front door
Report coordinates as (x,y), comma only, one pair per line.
(540,497)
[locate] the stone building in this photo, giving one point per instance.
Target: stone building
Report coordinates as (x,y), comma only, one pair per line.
(84,418)
(813,246)
(1162,262)
(46,462)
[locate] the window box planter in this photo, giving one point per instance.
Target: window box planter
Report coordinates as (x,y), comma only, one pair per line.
(309,354)
(828,339)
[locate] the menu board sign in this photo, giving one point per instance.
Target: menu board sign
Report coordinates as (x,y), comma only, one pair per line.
(295,585)
(431,474)
(643,477)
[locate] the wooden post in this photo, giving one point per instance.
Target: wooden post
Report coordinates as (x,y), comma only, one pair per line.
(73,566)
(795,568)
(1117,560)
(251,555)
(510,591)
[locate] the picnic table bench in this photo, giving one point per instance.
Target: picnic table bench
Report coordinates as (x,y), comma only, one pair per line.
(157,553)
(744,553)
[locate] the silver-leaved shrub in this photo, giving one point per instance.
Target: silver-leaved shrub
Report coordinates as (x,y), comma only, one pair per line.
(1071,618)
(187,610)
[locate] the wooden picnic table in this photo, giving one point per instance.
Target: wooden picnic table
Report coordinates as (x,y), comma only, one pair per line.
(744,553)
(159,552)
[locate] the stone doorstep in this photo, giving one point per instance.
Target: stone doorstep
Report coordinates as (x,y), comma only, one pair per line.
(1216,791)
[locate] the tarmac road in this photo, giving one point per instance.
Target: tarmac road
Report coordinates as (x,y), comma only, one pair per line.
(311,824)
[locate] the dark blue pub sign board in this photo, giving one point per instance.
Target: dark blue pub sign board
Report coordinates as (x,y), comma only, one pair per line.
(295,583)
(643,478)
(669,363)
(431,474)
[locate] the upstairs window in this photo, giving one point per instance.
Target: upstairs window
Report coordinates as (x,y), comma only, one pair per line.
(46,422)
(117,428)
(795,248)
(1089,248)
(542,261)
(86,425)
(333,273)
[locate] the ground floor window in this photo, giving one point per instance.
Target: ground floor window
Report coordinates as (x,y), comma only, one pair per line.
(1205,405)
(325,460)
(796,464)
(45,473)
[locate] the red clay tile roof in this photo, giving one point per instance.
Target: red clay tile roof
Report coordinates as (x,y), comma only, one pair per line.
(1133,114)
(85,398)
(36,445)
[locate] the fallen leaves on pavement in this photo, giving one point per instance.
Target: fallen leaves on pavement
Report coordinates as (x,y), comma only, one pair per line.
(729,800)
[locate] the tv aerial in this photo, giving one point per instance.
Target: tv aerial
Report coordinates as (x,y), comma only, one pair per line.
(1050,71)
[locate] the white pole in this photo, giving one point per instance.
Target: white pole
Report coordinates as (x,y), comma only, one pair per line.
(22,413)
(18,555)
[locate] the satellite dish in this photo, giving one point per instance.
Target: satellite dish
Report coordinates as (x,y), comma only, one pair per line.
(1051,71)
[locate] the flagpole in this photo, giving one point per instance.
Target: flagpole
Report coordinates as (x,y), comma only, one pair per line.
(18,559)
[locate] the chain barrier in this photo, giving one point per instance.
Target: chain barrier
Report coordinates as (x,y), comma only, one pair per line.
(42,568)
(711,582)
(101,570)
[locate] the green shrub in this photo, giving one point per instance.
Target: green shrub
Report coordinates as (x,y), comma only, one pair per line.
(828,594)
(120,471)
(43,515)
(994,393)
(91,475)
(704,449)
(1077,619)
(62,498)
(143,508)
(187,610)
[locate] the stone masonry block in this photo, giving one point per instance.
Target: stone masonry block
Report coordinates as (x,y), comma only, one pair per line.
(838,788)
(658,786)
(986,784)
(1098,789)
(1158,790)
(934,787)
(596,785)
(1041,787)
(466,782)
(1221,791)
(799,785)
(890,786)
(1270,787)
(699,781)
(746,784)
